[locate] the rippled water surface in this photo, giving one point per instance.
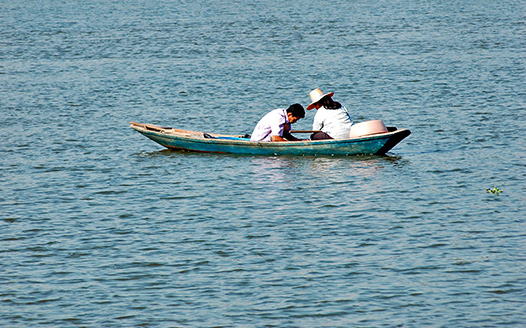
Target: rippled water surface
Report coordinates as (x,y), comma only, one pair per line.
(102,227)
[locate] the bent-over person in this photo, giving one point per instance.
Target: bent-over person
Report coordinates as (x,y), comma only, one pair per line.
(275,125)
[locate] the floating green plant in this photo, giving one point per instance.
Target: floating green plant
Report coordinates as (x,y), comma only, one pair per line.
(494,190)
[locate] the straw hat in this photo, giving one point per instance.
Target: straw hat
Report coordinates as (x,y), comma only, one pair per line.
(316,95)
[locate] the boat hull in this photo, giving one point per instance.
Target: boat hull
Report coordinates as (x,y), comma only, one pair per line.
(378,144)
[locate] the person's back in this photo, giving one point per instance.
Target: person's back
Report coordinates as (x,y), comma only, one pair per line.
(272,121)
(332,118)
(275,125)
(334,122)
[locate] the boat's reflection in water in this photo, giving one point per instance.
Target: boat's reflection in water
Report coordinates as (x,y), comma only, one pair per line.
(273,171)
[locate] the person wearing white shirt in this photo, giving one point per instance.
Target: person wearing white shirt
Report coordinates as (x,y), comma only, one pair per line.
(275,125)
(332,118)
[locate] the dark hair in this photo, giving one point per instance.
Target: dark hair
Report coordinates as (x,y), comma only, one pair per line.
(296,110)
(328,103)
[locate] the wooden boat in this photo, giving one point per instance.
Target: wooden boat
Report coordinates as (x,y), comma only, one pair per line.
(171,138)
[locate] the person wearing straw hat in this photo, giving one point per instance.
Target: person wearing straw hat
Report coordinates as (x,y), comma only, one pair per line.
(332,118)
(275,125)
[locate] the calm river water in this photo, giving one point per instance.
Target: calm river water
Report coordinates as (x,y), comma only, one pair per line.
(101,227)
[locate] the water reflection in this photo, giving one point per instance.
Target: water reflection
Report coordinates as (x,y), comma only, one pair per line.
(163,152)
(272,170)
(360,165)
(276,173)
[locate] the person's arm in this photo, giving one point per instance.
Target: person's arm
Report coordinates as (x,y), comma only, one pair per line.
(290,137)
(286,137)
(286,134)
(277,138)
